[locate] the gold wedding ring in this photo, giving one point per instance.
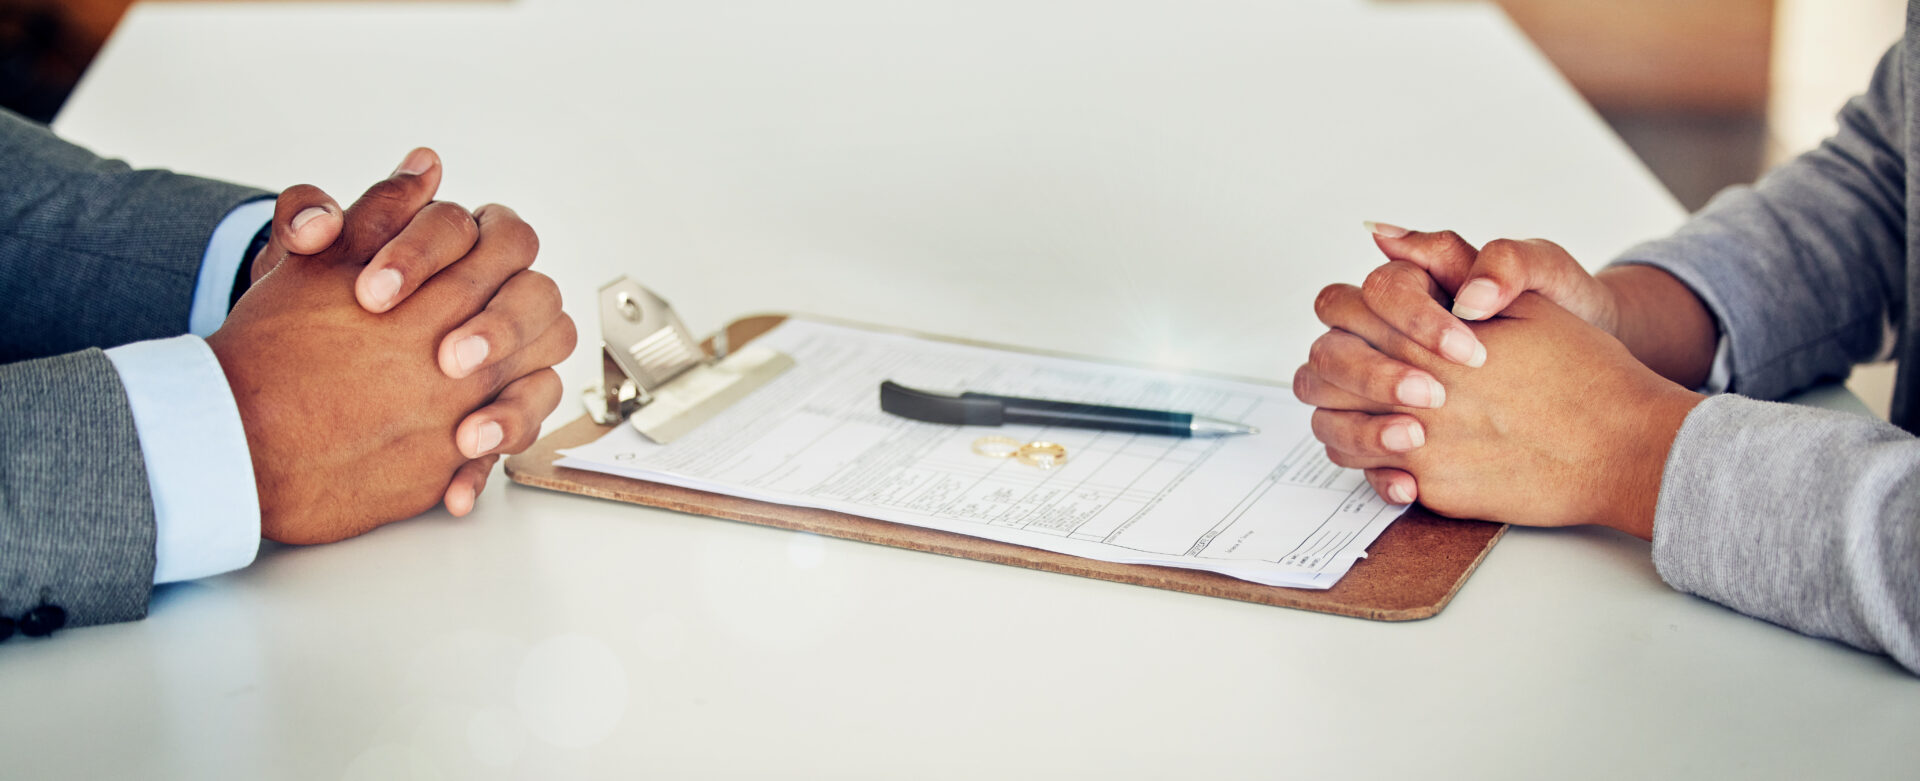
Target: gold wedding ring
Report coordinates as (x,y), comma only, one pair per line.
(996,447)
(1045,455)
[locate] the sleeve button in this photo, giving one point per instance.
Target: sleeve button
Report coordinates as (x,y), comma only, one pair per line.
(43,620)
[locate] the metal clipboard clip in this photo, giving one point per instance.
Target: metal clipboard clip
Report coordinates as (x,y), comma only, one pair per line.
(657,377)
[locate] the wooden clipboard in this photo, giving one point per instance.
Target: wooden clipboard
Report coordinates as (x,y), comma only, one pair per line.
(1410,573)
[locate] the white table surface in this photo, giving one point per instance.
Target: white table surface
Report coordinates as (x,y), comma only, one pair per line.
(1161,181)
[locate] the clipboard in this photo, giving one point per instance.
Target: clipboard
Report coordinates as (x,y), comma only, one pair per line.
(1411,571)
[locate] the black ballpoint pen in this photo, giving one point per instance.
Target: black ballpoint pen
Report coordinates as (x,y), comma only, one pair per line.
(982,409)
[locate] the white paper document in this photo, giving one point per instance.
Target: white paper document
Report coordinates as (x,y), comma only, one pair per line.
(1267,507)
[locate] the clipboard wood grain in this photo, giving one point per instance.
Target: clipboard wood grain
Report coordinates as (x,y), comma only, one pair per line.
(1412,570)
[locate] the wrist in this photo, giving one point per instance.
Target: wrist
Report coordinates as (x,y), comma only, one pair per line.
(1662,322)
(244,279)
(1642,445)
(1623,284)
(255,421)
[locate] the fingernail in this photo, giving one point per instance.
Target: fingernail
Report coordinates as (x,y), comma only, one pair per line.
(417,163)
(1460,346)
(1400,494)
(1476,300)
(383,286)
(488,437)
(1386,230)
(469,352)
(305,216)
(1420,392)
(460,500)
(1403,437)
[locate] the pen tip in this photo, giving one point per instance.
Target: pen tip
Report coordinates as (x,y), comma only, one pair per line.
(1210,427)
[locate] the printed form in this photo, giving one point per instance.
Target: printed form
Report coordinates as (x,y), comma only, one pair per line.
(1267,507)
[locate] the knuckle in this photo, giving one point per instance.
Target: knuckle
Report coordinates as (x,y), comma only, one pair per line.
(1317,352)
(494,376)
(456,217)
(1324,302)
(542,383)
(507,227)
(532,239)
(521,327)
(1550,254)
(488,214)
(1338,430)
(1430,323)
(406,256)
(527,307)
(569,337)
(1377,281)
(1545,246)
(1303,383)
(1392,282)
(541,394)
(1501,255)
(546,292)
(387,190)
(518,237)
(1340,458)
(1317,423)
(1361,435)
(1383,384)
(1501,247)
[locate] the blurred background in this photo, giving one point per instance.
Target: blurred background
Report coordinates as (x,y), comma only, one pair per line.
(1708,93)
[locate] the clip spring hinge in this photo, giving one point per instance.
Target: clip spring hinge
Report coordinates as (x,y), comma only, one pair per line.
(657,377)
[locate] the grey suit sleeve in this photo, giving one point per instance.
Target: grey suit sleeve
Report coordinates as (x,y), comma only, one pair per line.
(76,519)
(92,252)
(1808,518)
(1805,517)
(1805,271)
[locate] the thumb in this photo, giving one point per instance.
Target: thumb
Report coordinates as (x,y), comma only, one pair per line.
(306,221)
(1507,268)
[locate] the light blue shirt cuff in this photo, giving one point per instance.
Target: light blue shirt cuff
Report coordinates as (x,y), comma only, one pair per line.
(222,262)
(1721,375)
(206,512)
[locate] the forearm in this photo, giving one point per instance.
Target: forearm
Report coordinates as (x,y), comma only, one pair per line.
(1663,323)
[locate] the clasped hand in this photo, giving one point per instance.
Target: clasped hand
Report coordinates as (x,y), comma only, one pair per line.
(385,356)
(1491,384)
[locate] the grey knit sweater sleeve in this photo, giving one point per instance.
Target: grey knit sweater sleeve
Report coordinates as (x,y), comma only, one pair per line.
(1807,518)
(1806,270)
